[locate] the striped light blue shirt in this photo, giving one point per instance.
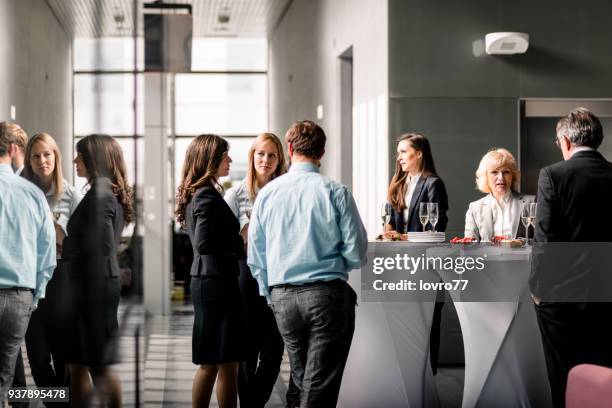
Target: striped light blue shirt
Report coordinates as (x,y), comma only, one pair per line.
(304,228)
(27,235)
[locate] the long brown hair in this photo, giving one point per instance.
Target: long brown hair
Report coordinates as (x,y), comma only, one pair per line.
(281,167)
(397,189)
(102,157)
(202,160)
(28,172)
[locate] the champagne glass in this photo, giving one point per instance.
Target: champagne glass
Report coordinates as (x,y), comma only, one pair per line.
(424,214)
(532,215)
(434,213)
(526,220)
(385,215)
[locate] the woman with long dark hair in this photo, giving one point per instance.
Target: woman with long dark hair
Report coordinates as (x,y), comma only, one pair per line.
(90,250)
(264,352)
(42,166)
(214,231)
(415,181)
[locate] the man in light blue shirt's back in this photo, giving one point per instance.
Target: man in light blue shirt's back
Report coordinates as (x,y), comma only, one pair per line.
(27,255)
(305,235)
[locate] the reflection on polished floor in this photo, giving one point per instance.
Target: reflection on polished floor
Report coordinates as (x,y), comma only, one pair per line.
(168,370)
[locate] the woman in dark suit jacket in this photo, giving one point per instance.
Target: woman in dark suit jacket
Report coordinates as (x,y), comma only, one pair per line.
(416,180)
(214,231)
(90,250)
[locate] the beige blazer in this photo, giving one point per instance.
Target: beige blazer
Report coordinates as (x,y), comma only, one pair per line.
(479,217)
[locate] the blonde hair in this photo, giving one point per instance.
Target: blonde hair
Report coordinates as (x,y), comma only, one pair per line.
(495,159)
(28,172)
(251,175)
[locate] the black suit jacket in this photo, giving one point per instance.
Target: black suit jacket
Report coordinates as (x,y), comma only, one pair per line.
(214,232)
(94,231)
(428,190)
(573,208)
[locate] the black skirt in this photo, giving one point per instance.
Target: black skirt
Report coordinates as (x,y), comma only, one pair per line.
(91,329)
(219,324)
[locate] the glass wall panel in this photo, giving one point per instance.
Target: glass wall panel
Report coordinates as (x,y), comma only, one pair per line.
(229,54)
(104,104)
(107,54)
(225,104)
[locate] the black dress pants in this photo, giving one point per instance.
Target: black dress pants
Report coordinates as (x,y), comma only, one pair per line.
(258,372)
(45,362)
(572,334)
(44,335)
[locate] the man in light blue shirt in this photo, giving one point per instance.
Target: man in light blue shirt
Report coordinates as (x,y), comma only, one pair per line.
(305,235)
(27,255)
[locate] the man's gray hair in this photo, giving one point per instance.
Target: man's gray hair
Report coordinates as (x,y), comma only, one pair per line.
(581,127)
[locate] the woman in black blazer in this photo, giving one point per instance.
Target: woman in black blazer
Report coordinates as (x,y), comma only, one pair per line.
(90,251)
(415,179)
(214,231)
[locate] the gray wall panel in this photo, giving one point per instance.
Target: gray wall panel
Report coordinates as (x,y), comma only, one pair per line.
(36,72)
(430,48)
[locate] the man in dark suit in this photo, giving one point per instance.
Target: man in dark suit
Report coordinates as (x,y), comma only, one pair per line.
(569,279)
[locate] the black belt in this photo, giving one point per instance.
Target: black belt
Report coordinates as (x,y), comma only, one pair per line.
(303,285)
(18,289)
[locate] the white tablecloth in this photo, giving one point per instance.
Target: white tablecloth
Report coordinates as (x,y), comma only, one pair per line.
(388,365)
(504,358)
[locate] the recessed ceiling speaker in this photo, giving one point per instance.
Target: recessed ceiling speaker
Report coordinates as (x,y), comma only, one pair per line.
(506,43)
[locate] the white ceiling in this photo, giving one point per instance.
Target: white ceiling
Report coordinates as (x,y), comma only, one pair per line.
(111,18)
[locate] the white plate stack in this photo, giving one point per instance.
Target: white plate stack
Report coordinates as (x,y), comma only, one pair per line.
(427,236)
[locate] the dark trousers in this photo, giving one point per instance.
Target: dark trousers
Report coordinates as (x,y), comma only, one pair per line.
(258,372)
(434,336)
(44,335)
(45,361)
(317,321)
(572,334)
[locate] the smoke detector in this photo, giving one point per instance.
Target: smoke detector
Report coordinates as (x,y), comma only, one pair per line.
(506,43)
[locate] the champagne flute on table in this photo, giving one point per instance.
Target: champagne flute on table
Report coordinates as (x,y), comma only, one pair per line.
(532,215)
(385,215)
(424,214)
(525,220)
(433,215)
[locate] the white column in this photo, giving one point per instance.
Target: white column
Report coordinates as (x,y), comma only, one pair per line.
(157,195)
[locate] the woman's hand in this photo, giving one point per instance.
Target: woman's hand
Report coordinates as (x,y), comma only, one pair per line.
(395,236)
(244,233)
(59,237)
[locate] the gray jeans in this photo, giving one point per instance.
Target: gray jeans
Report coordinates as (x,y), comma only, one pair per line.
(317,321)
(15,310)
